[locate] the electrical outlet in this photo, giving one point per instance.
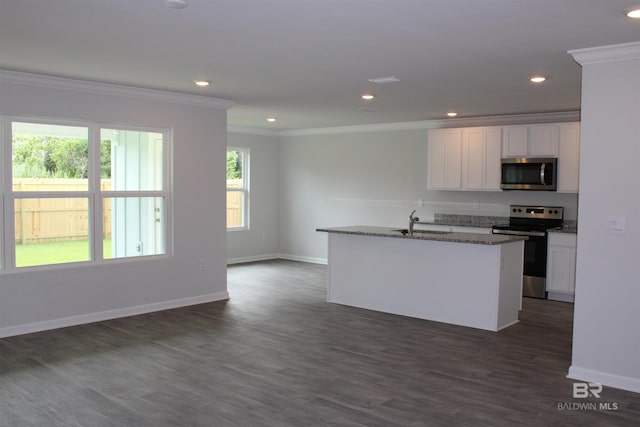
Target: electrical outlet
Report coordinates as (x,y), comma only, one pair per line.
(203,264)
(476,204)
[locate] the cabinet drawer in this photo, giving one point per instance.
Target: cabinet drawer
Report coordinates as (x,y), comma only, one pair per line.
(563,239)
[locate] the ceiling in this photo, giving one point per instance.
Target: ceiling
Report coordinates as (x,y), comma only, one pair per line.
(308,61)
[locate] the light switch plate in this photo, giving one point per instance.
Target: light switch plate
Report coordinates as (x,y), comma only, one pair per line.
(616,224)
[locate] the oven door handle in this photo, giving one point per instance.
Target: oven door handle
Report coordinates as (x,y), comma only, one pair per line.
(520,233)
(542,168)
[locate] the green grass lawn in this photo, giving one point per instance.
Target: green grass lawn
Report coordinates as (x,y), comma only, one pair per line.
(56,252)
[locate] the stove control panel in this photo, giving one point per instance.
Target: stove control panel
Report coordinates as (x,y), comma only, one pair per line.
(536,212)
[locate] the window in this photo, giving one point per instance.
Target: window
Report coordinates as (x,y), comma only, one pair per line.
(237,188)
(80,193)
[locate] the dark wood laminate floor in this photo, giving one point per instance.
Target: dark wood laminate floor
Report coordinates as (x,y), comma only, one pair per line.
(277,354)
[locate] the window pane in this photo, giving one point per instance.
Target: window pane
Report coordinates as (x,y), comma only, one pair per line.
(46,155)
(235,162)
(131,160)
(235,209)
(133,226)
(51,230)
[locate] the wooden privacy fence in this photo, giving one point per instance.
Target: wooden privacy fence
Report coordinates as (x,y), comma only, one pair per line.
(40,220)
(234,203)
(234,208)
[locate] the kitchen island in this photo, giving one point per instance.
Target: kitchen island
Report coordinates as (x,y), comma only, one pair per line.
(465,279)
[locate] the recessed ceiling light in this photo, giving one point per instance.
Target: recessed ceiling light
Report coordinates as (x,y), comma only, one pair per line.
(452,114)
(538,79)
(634,14)
(272,119)
(368,96)
(389,79)
(175,4)
(202,83)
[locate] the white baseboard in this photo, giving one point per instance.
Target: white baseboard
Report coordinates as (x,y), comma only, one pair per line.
(267,257)
(560,296)
(311,260)
(604,378)
(252,258)
(110,314)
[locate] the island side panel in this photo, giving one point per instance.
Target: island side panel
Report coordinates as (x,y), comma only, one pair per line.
(448,282)
(510,293)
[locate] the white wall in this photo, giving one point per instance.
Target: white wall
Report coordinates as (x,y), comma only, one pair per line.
(371,178)
(260,241)
(606,340)
(36,300)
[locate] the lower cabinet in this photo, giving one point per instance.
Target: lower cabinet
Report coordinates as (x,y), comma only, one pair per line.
(561,266)
(477,230)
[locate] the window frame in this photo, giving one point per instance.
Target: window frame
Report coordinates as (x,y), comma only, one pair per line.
(244,189)
(93,194)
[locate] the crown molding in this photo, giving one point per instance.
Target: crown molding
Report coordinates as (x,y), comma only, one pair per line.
(40,80)
(253,131)
(617,52)
(506,120)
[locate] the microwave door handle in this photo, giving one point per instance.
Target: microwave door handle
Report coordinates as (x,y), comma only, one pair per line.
(542,167)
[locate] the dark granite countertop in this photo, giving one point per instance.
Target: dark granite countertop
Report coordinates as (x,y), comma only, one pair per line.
(474,238)
(480,221)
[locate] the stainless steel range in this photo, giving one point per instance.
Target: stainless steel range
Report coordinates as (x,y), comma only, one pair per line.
(533,222)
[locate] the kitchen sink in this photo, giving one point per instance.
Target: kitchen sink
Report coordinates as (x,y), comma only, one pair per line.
(405,231)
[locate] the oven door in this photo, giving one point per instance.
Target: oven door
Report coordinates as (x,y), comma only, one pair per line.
(535,261)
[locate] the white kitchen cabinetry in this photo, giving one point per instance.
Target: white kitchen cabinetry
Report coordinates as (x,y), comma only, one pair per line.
(464,159)
(469,158)
(543,141)
(477,230)
(515,141)
(530,141)
(561,266)
(568,157)
(432,227)
(481,158)
(559,140)
(444,159)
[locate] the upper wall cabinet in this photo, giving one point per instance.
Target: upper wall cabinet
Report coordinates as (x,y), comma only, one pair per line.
(515,140)
(481,158)
(530,141)
(444,159)
(568,157)
(464,159)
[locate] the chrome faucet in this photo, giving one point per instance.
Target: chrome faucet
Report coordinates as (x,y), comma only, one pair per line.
(412,220)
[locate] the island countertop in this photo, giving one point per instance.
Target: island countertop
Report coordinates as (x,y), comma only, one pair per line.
(474,238)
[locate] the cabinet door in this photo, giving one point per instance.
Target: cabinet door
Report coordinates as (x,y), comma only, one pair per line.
(481,158)
(568,157)
(561,263)
(492,168)
(514,141)
(444,159)
(543,141)
(473,154)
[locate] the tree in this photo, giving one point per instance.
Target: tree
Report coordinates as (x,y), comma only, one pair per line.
(56,157)
(234,164)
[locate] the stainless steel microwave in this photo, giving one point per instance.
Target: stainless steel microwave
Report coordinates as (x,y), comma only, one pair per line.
(529,173)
